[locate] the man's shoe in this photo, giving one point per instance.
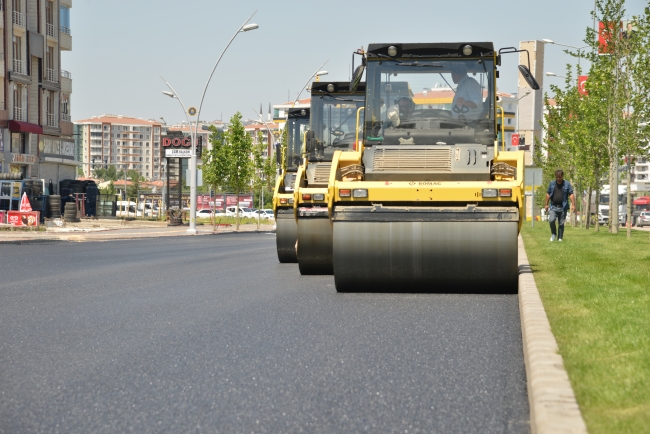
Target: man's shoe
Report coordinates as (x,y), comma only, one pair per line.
(560,239)
(552,237)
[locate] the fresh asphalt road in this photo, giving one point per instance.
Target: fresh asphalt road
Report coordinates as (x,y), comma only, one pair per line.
(211,334)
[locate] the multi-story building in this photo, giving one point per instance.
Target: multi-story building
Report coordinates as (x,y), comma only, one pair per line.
(36,135)
(128,143)
(640,173)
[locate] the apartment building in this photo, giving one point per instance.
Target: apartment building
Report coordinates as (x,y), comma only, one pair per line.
(125,142)
(36,134)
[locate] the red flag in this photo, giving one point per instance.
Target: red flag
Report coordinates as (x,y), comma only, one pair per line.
(25,206)
(515,140)
(607,34)
(582,81)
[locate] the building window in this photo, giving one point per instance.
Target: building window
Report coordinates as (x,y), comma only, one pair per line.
(64,18)
(17,143)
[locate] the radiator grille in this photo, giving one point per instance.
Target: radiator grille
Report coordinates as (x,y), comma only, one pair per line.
(322,173)
(412,160)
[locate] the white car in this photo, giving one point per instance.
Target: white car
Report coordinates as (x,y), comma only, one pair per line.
(207,213)
(264,214)
(243,212)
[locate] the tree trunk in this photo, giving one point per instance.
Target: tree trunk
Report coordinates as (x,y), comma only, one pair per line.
(587,213)
(237,212)
(628,207)
(597,205)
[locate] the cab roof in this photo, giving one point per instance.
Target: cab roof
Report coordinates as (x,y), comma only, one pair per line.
(432,49)
(320,87)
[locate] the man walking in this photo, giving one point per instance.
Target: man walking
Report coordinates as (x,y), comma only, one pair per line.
(559,192)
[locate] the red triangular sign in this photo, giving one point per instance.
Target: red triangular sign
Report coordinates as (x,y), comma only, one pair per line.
(25,206)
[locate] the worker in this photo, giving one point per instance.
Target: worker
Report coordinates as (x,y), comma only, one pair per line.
(559,193)
(468,99)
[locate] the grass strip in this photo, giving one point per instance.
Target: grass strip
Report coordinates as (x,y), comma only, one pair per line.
(595,287)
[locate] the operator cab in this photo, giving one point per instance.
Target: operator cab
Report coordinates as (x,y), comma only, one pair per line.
(333,119)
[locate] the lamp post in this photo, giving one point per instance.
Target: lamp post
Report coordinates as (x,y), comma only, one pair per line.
(549,41)
(517,101)
(318,73)
(194,132)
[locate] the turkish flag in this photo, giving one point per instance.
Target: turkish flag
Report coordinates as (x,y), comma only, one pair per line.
(25,206)
(607,34)
(515,140)
(582,81)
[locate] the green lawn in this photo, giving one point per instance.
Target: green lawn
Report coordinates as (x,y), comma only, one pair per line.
(596,292)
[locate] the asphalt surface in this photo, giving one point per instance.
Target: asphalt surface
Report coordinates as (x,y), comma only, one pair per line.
(213,335)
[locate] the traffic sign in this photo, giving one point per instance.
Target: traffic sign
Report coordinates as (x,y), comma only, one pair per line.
(191,111)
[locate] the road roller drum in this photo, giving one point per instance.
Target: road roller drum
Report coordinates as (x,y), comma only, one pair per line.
(286,235)
(401,249)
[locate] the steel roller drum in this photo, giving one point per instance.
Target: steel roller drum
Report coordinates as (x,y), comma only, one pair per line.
(438,251)
(286,234)
(315,245)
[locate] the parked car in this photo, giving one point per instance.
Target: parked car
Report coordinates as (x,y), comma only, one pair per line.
(264,214)
(644,219)
(243,212)
(207,213)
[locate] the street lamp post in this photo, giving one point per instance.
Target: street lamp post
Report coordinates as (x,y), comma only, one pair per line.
(194,132)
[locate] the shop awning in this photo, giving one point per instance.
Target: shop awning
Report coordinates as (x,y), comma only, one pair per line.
(25,127)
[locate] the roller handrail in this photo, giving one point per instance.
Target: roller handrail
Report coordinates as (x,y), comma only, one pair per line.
(503,136)
(356,143)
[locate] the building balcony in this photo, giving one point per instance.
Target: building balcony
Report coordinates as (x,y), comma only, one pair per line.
(19,19)
(52,120)
(19,114)
(51,30)
(65,39)
(20,67)
(51,75)
(65,117)
(67,3)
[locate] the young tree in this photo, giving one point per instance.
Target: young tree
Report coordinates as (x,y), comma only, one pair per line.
(264,169)
(133,189)
(216,162)
(240,167)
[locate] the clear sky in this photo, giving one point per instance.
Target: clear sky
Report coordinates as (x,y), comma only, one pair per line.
(121,47)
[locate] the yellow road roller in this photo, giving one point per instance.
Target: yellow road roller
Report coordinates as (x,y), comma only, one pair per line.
(283,200)
(428,203)
(333,123)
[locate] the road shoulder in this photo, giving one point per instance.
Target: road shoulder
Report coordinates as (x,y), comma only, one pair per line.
(553,405)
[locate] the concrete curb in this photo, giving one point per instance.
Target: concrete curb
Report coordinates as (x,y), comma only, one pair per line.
(110,235)
(553,405)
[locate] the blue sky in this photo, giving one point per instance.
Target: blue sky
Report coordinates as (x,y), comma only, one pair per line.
(120,47)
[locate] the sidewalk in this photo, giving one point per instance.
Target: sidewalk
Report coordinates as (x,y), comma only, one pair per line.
(108,229)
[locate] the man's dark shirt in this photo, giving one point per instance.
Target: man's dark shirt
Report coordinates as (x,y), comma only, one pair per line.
(558,195)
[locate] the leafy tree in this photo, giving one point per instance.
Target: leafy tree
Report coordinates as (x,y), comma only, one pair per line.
(264,168)
(216,162)
(228,164)
(133,189)
(240,167)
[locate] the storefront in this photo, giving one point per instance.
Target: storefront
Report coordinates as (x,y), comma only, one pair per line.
(18,157)
(56,159)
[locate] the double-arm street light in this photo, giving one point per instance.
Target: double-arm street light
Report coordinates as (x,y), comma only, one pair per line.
(194,132)
(552,74)
(549,41)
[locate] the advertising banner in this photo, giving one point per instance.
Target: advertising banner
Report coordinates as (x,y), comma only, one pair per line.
(18,218)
